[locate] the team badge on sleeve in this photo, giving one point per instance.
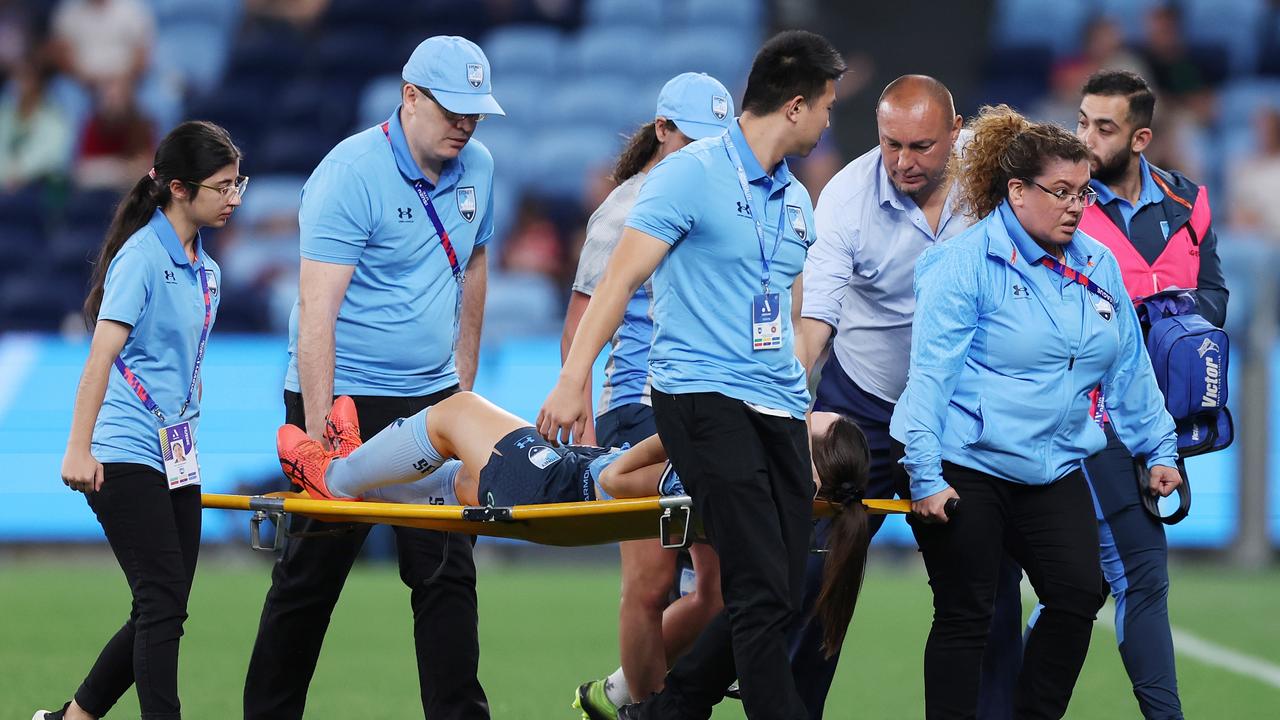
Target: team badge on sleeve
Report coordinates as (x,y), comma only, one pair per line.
(475,74)
(796,216)
(467,202)
(719,106)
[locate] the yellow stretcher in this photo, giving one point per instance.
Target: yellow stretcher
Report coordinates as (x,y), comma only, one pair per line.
(566,524)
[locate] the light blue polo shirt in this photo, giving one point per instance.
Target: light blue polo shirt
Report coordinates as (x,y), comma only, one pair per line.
(394,333)
(1148,195)
(153,288)
(704,287)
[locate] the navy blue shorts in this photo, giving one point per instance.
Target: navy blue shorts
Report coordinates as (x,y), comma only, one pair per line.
(525,469)
(628,423)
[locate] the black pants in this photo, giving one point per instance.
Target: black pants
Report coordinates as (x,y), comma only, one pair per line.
(748,474)
(813,670)
(309,575)
(1050,530)
(155,535)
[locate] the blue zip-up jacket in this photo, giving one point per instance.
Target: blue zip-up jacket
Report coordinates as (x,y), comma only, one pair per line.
(1004,353)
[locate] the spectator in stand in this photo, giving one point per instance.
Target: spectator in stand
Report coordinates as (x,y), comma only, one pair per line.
(117,141)
(1255,182)
(1102,48)
(96,41)
(35,138)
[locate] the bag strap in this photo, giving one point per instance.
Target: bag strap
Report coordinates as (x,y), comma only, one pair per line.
(1152,502)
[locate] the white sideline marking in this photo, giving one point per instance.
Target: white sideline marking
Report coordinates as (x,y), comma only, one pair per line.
(1184,643)
(18,353)
(1196,647)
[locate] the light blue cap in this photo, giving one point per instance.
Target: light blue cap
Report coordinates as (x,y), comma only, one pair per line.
(698,104)
(456,72)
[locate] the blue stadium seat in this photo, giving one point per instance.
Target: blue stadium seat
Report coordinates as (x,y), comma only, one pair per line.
(1240,99)
(523,49)
(271,197)
(622,13)
(611,103)
(351,55)
(523,97)
(1035,22)
(741,15)
(222,15)
(320,103)
(508,142)
(1235,25)
(723,54)
(366,13)
(292,150)
(564,156)
(22,208)
(611,50)
(91,208)
(267,51)
(377,100)
(38,299)
(193,51)
(160,101)
(1130,16)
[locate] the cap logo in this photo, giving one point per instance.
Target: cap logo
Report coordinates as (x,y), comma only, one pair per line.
(467,202)
(475,74)
(719,107)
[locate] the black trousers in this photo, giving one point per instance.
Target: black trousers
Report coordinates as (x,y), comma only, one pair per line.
(748,474)
(155,535)
(1051,532)
(309,575)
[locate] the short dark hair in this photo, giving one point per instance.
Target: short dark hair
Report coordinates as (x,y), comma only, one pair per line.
(1110,83)
(791,63)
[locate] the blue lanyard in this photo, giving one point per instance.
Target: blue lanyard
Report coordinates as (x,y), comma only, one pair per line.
(765,260)
(135,382)
(459,276)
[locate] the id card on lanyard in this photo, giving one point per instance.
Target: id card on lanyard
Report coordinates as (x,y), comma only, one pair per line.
(177,441)
(459,276)
(766,307)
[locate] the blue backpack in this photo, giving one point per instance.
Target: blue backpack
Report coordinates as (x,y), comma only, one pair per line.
(1190,358)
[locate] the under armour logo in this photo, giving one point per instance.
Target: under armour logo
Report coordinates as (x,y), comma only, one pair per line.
(524,442)
(744,209)
(169,277)
(404,213)
(1021,291)
(422,465)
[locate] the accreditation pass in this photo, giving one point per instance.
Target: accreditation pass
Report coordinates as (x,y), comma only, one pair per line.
(178,448)
(766,324)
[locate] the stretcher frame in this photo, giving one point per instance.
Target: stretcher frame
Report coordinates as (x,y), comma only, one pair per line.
(671,519)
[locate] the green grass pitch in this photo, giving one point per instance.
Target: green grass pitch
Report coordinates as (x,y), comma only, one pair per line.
(547,627)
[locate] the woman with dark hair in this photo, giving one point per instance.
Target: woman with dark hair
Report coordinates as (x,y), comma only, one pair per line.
(652,631)
(466,450)
(151,305)
(1018,319)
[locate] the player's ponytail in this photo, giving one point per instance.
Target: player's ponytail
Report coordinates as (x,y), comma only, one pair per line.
(843,462)
(190,152)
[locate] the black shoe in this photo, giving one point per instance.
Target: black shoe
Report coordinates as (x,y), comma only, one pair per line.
(630,711)
(51,715)
(734,692)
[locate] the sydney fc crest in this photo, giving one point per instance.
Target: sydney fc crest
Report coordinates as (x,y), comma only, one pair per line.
(212,282)
(467,203)
(543,457)
(475,74)
(719,107)
(796,216)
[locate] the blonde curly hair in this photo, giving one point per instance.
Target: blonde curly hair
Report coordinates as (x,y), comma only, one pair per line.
(1006,145)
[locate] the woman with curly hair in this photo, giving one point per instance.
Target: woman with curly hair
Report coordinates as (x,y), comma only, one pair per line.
(1017,320)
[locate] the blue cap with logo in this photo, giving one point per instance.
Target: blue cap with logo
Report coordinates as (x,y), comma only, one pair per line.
(456,72)
(698,104)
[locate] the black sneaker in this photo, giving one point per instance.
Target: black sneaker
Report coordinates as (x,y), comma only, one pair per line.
(51,714)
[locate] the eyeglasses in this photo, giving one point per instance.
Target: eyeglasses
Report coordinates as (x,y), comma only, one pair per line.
(1087,197)
(237,187)
(452,117)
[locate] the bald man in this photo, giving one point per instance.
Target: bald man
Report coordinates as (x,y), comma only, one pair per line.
(873,220)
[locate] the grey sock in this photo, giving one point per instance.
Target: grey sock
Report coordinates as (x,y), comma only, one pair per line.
(434,489)
(392,457)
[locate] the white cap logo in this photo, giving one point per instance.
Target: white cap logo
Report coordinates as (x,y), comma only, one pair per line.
(719,107)
(475,74)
